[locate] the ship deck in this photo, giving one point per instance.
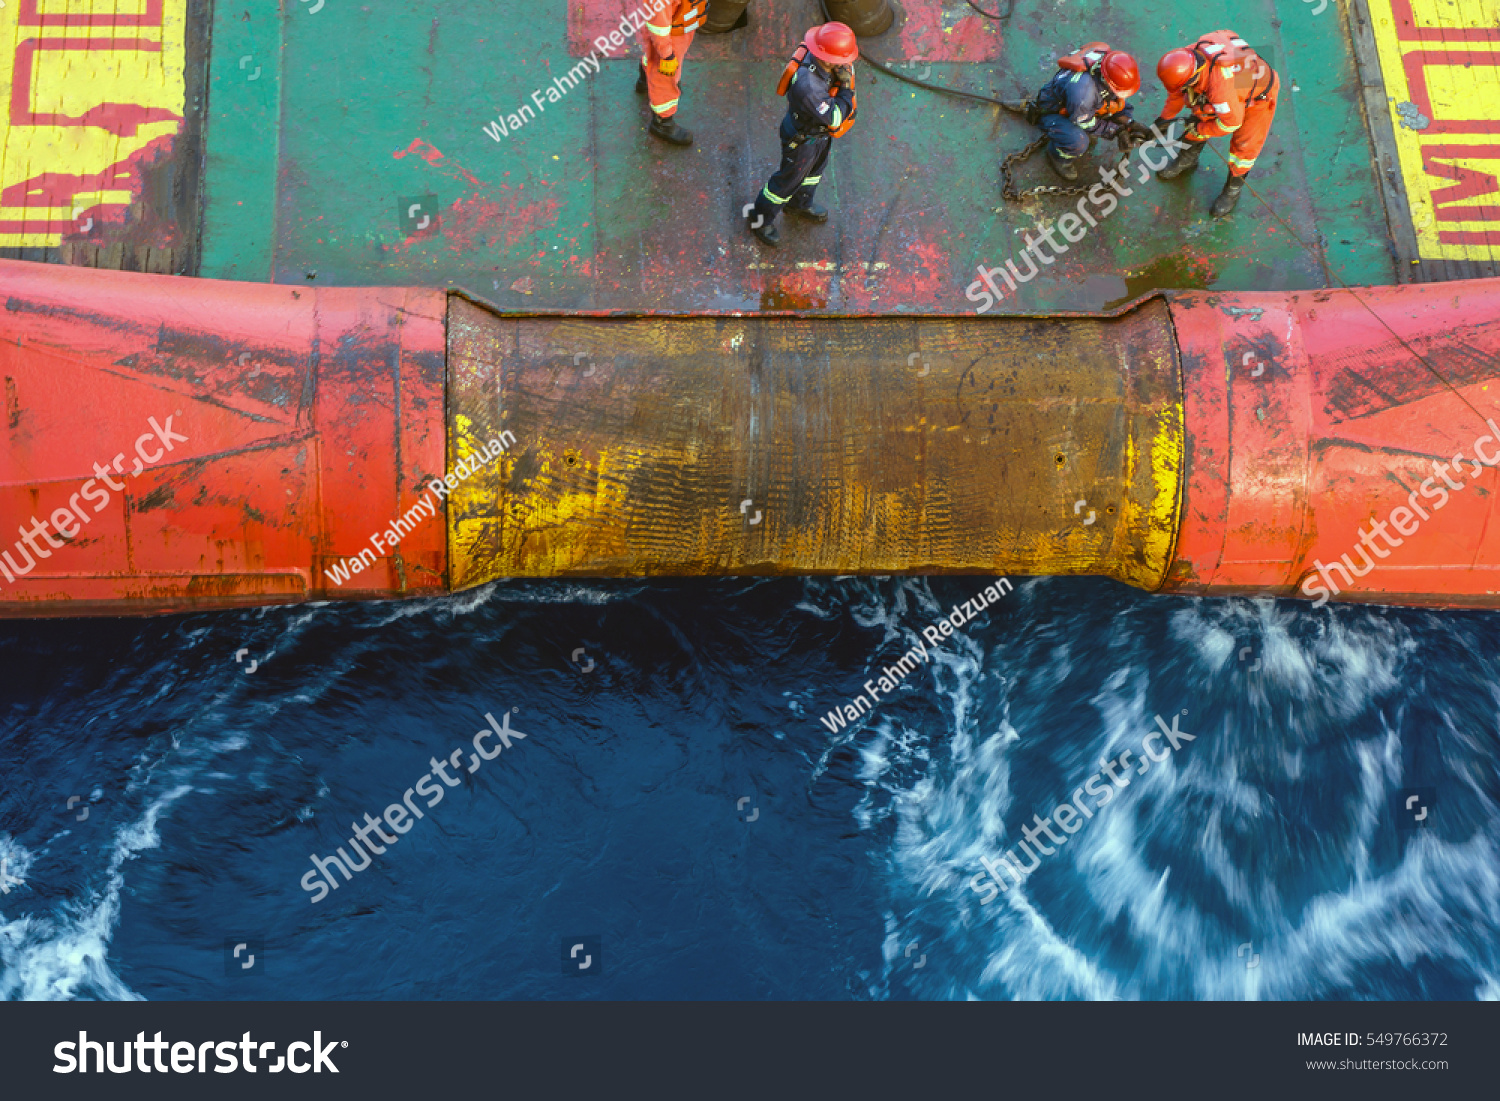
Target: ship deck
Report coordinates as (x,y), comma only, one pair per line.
(328,143)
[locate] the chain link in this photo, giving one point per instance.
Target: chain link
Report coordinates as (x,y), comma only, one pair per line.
(1128,140)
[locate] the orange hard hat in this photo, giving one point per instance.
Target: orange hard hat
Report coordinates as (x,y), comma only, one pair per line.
(832,43)
(1176,68)
(1121,73)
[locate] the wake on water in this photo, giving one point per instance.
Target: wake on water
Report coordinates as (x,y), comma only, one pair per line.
(1260,861)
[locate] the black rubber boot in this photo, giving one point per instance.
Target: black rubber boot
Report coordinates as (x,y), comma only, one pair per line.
(811,211)
(762,229)
(1064,168)
(668,130)
(1186,162)
(1229,198)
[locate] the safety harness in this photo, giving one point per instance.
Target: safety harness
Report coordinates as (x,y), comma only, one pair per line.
(789,75)
(1236,52)
(1080,61)
(1090,59)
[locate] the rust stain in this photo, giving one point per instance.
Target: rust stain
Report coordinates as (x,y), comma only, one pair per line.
(859,460)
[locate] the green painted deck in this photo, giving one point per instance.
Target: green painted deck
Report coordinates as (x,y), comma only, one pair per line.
(366,120)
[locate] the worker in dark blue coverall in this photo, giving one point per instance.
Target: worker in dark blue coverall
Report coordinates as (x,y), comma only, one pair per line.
(1085,99)
(820,106)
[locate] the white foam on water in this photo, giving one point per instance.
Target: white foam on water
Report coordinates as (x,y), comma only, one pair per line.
(63,954)
(1198,880)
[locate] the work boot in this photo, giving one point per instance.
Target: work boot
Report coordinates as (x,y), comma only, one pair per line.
(668,130)
(810,210)
(763,229)
(1228,198)
(1186,162)
(1061,166)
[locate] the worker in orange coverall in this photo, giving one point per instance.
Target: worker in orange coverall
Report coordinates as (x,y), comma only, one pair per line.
(667,35)
(1230,90)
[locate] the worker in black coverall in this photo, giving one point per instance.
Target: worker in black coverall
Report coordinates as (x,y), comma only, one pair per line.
(1084,100)
(820,106)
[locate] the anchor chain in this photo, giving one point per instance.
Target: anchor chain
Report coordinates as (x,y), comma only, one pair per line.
(1129,140)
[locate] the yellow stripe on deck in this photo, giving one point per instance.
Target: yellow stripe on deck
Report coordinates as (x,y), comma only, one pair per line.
(88,85)
(1440,60)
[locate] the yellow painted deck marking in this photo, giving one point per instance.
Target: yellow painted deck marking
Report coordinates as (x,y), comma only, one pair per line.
(1440,63)
(105,81)
(1440,60)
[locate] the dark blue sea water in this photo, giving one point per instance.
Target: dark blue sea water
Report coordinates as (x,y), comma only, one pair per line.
(680,810)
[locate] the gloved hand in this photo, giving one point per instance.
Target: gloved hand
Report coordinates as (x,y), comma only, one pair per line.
(843,76)
(667,65)
(1135,134)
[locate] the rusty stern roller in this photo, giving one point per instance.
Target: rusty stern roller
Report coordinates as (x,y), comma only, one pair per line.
(384,442)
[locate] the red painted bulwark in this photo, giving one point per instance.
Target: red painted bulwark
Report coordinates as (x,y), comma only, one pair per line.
(177,444)
(1311,417)
(313,418)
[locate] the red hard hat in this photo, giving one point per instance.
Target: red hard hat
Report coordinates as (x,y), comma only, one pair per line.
(1176,68)
(832,43)
(1121,73)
